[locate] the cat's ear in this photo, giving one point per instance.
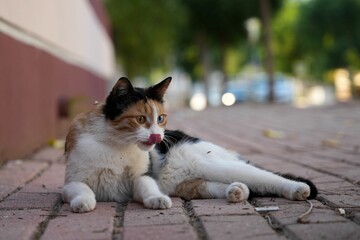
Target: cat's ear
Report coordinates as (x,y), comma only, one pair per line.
(157,91)
(122,87)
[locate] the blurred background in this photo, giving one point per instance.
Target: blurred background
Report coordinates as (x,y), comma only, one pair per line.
(58,57)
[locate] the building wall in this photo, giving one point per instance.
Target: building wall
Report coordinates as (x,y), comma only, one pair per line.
(56,59)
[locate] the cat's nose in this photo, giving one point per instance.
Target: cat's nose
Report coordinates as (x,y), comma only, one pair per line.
(155,138)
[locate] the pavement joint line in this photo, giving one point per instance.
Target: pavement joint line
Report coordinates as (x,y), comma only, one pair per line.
(117,233)
(335,159)
(322,198)
(271,220)
(288,160)
(194,220)
(349,210)
(37,175)
(43,225)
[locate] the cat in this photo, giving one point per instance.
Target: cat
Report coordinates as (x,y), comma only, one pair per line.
(121,151)
(107,149)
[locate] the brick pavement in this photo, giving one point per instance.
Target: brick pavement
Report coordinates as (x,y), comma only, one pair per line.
(322,144)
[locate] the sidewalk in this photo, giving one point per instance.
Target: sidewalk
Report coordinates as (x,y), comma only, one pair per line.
(321,144)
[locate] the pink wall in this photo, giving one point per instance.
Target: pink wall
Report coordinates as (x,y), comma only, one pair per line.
(31,83)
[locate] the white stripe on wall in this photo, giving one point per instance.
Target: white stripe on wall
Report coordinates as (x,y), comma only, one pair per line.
(69,30)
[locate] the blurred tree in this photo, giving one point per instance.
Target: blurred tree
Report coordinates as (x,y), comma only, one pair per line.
(285,40)
(320,33)
(265,10)
(215,26)
(144,32)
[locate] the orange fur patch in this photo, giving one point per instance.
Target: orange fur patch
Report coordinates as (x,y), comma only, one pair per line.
(192,189)
(127,121)
(79,125)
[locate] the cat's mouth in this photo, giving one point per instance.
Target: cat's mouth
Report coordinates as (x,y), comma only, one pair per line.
(153,139)
(146,146)
(148,143)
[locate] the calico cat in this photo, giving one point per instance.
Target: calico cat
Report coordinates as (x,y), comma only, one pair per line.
(107,149)
(121,151)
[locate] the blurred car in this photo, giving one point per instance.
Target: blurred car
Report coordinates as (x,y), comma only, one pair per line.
(257,88)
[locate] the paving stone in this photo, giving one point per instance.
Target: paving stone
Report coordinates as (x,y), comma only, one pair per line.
(338,188)
(238,227)
(176,202)
(352,173)
(288,214)
(337,168)
(271,163)
(210,207)
(299,153)
(356,217)
(97,224)
(16,224)
(273,201)
(16,173)
(289,211)
(325,178)
(343,201)
(338,231)
(144,217)
(134,206)
(48,154)
(20,200)
(51,181)
(338,155)
(160,232)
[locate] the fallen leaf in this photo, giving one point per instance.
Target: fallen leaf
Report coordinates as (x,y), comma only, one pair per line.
(330,143)
(271,133)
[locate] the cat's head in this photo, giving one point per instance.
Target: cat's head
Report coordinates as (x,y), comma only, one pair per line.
(137,115)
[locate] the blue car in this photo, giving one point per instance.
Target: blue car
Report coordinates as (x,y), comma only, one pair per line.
(257,88)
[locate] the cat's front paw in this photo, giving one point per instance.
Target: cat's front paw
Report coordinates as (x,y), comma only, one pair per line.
(237,192)
(299,192)
(82,204)
(158,202)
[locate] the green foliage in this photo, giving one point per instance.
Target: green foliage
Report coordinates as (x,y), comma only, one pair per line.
(326,29)
(285,42)
(217,27)
(322,34)
(144,32)
(147,33)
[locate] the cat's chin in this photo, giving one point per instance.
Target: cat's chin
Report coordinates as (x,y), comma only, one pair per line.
(145,146)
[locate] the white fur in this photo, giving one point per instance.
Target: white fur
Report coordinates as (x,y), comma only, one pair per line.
(108,167)
(215,164)
(80,197)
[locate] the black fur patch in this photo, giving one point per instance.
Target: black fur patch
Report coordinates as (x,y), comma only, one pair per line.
(115,105)
(149,171)
(172,138)
(313,189)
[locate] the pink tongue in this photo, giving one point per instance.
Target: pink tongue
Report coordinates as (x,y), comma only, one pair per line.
(154,138)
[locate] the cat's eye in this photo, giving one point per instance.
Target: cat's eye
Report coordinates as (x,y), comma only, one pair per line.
(141,119)
(161,118)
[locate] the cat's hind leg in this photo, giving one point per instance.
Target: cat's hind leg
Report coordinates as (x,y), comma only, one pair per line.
(201,189)
(80,197)
(237,192)
(260,182)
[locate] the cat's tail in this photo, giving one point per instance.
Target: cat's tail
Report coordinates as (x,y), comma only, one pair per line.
(313,189)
